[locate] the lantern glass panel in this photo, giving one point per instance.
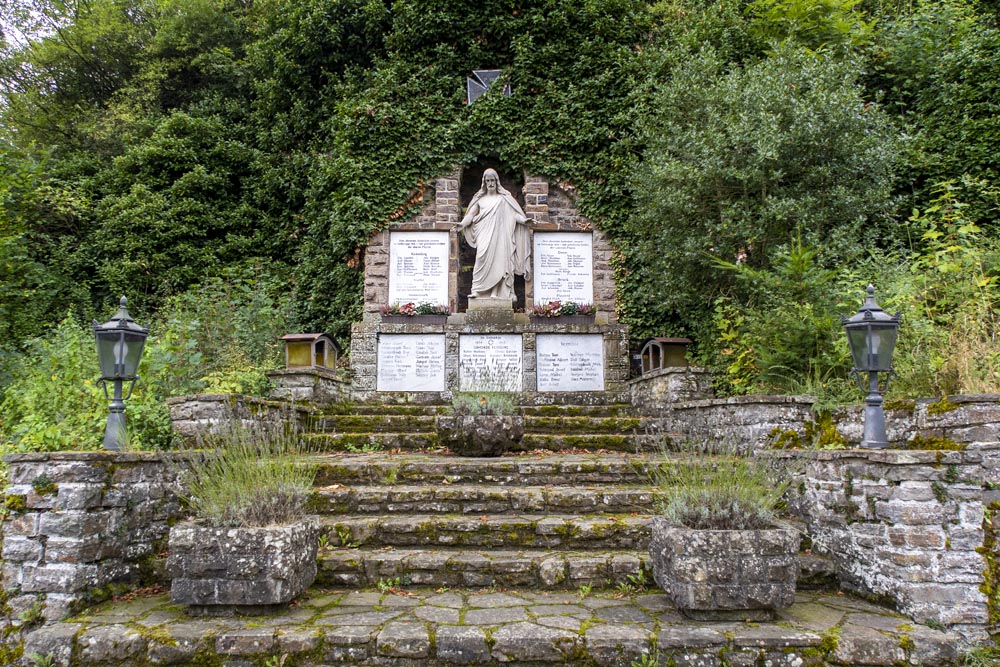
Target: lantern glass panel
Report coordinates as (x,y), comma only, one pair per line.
(321,354)
(108,342)
(883,341)
(300,354)
(857,337)
(131,353)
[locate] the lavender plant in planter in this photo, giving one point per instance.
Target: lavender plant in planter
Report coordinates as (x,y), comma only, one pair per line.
(718,548)
(251,547)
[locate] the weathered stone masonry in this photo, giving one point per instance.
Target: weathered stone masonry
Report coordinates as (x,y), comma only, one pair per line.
(81,521)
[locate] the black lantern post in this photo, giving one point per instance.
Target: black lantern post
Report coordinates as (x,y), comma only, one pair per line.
(119,347)
(871,335)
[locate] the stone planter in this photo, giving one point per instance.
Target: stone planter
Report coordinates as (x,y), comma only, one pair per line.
(479,435)
(248,570)
(725,574)
(414,319)
(563,319)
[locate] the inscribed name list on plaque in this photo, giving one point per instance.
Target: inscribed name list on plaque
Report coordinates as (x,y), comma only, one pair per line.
(418,267)
(564,267)
(410,362)
(489,362)
(570,362)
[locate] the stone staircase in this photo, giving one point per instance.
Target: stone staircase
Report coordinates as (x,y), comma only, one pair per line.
(603,427)
(547,521)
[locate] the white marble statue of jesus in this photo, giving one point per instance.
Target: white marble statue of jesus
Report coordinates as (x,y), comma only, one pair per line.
(497,228)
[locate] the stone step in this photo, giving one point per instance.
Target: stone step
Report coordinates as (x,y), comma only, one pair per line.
(586,425)
(600,410)
(362,423)
(550,531)
(578,470)
(561,425)
(480,499)
(371,442)
(464,627)
(602,442)
(626,571)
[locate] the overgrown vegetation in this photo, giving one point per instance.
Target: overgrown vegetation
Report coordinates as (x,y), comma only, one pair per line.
(755,165)
(249,472)
(719,488)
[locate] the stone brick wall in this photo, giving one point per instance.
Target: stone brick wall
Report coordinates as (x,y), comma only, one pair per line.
(651,393)
(907,525)
(972,419)
(312,385)
(190,415)
(80,522)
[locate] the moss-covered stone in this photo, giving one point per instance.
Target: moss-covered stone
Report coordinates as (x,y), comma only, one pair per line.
(942,406)
(935,443)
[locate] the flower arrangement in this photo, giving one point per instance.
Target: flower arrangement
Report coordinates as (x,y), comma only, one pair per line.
(409,309)
(558,308)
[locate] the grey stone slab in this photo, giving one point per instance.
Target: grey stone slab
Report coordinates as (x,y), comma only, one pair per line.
(655,602)
(404,640)
(110,643)
(594,602)
(611,645)
(462,645)
(363,618)
(530,641)
(245,641)
(453,600)
(683,636)
(55,640)
(812,616)
(574,610)
(495,616)
(932,647)
(437,614)
(772,636)
(359,599)
(561,622)
(858,645)
(297,640)
(623,614)
(493,600)
(884,622)
(394,600)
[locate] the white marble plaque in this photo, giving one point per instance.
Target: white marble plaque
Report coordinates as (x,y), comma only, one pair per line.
(410,362)
(564,267)
(418,267)
(489,362)
(570,362)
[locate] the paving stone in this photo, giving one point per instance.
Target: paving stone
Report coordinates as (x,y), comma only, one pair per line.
(561,622)
(655,602)
(493,600)
(932,647)
(686,636)
(182,642)
(560,610)
(857,645)
(392,600)
(462,645)
(55,640)
(814,616)
(297,641)
(613,645)
(357,599)
(437,614)
(623,614)
(404,640)
(245,641)
(495,616)
(446,600)
(772,636)
(529,641)
(110,643)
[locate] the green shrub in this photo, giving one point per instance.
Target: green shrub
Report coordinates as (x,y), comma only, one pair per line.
(250,472)
(719,488)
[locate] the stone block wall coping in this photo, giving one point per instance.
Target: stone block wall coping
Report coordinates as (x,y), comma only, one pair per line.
(672,370)
(900,457)
(95,457)
(235,400)
(325,373)
(747,400)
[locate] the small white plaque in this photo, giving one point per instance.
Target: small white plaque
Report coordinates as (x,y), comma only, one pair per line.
(410,362)
(489,362)
(564,267)
(570,362)
(418,267)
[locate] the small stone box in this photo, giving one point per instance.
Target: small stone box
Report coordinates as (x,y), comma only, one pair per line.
(725,574)
(245,569)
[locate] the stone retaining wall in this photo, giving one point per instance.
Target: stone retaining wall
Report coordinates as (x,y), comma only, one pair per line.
(909,526)
(191,415)
(80,522)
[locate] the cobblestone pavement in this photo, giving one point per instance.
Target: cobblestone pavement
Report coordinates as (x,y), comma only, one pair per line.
(449,627)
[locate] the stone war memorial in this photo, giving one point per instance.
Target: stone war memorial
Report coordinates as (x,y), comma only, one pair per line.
(490,256)
(490,316)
